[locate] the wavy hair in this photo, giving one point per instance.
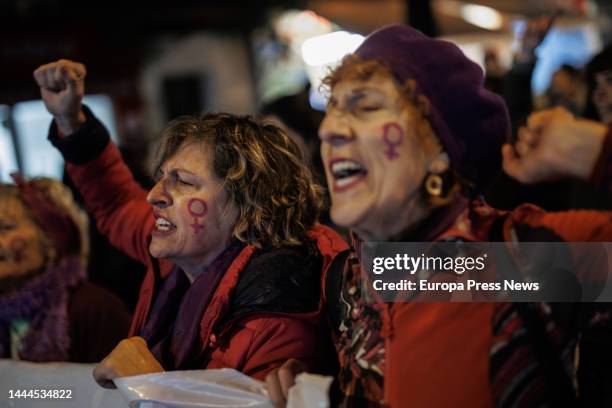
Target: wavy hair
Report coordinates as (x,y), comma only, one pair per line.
(262,170)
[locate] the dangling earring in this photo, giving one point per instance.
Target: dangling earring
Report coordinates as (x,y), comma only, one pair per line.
(434,185)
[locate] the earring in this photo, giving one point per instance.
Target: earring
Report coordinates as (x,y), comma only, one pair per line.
(434,185)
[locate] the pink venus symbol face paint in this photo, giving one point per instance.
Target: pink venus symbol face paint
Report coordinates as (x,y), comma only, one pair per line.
(197,209)
(393,136)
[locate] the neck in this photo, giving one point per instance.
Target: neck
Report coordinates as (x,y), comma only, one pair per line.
(194,267)
(393,225)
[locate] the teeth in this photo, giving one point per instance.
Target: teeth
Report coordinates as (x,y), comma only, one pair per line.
(345,181)
(346,169)
(163,224)
(345,165)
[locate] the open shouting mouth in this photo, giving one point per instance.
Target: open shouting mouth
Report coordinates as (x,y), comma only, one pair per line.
(346,173)
(163,226)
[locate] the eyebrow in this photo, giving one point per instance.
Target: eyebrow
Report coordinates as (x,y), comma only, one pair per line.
(360,93)
(355,95)
(176,170)
(160,173)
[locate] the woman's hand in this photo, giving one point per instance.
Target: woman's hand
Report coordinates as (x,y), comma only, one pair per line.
(281,380)
(553,145)
(62,87)
(130,357)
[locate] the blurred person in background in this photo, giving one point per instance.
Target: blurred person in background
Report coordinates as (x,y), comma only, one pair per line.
(410,140)
(48,311)
(598,73)
(566,90)
(228,232)
(494,72)
(594,371)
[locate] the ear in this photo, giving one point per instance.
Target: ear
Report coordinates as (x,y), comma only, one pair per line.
(439,163)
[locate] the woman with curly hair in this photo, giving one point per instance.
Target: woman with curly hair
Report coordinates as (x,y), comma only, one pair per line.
(48,312)
(228,233)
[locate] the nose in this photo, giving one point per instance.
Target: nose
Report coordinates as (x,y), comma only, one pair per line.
(158,196)
(335,130)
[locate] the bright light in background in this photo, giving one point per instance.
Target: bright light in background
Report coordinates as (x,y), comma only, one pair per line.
(8,160)
(294,27)
(31,122)
(329,48)
(574,45)
(473,51)
(482,16)
(478,15)
(282,72)
(314,46)
(322,53)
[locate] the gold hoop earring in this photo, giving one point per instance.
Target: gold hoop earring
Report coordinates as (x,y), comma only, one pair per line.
(434,185)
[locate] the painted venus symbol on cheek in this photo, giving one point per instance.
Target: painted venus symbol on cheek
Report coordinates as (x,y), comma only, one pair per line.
(17,248)
(393,136)
(198,209)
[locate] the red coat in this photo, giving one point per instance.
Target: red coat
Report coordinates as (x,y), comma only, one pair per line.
(443,349)
(259,342)
(438,354)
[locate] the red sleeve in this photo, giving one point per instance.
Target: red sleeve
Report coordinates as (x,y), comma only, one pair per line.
(571,226)
(590,261)
(116,201)
(261,344)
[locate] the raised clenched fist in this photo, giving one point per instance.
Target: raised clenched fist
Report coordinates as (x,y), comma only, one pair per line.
(553,145)
(62,86)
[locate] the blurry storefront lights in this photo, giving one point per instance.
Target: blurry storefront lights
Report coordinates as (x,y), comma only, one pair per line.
(329,48)
(482,16)
(31,123)
(573,44)
(322,53)
(8,158)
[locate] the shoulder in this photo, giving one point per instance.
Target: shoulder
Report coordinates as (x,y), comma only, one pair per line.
(328,241)
(281,280)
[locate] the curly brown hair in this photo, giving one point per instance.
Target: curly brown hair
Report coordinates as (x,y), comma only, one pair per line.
(263,171)
(353,67)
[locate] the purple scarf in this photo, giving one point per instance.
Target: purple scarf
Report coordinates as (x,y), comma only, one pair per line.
(173,329)
(43,302)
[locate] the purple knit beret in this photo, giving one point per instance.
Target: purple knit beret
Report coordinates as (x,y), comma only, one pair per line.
(471,122)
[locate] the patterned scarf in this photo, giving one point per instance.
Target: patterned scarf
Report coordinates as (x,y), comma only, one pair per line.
(43,302)
(360,343)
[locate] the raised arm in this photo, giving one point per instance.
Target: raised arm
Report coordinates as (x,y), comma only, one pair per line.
(117,203)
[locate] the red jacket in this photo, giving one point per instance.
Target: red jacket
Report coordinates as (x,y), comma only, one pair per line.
(443,349)
(439,354)
(259,342)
